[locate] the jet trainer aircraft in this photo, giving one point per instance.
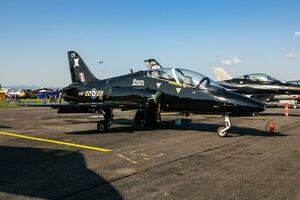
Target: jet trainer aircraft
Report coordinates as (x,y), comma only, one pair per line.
(260,86)
(149,92)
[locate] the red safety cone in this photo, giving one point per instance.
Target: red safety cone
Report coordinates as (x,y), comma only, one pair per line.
(286,109)
(271,127)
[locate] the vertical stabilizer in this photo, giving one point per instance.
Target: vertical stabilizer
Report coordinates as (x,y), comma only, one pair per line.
(78,69)
(221,74)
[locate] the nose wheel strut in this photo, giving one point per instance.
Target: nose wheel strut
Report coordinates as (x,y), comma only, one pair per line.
(223,131)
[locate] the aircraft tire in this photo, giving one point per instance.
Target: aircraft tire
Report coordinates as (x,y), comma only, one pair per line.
(221,132)
(138,122)
(139,118)
(102,127)
(255,114)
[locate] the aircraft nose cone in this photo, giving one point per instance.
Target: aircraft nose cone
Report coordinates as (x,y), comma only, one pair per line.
(256,105)
(249,105)
(243,105)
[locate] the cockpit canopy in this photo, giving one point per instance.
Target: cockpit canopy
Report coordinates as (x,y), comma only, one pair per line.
(184,77)
(259,77)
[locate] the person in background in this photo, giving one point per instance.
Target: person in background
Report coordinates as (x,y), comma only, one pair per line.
(56,96)
(45,99)
(17,99)
(152,64)
(60,97)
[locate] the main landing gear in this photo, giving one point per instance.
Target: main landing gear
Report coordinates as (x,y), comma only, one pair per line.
(223,131)
(104,125)
(140,118)
(146,117)
(149,115)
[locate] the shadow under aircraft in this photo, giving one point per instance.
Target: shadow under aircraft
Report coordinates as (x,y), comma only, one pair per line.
(186,124)
(49,174)
(150,92)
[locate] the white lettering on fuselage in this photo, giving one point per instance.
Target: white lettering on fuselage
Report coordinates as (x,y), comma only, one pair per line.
(138,82)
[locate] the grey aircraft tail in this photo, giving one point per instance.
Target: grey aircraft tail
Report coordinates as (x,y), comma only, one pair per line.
(80,73)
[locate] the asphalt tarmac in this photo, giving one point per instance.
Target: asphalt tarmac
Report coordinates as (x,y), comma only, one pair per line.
(44,155)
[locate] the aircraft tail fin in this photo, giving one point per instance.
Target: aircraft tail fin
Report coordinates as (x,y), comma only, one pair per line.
(221,74)
(80,73)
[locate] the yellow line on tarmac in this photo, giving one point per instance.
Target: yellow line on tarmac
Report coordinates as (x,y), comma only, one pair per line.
(55,142)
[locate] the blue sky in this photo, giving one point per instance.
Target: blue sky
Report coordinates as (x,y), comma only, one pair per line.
(36,35)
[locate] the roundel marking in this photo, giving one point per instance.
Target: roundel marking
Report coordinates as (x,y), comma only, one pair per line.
(93,93)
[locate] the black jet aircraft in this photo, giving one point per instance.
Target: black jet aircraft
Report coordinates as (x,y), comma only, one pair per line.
(258,85)
(149,92)
(296,82)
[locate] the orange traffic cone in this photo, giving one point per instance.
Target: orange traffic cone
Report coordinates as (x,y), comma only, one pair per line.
(271,127)
(286,109)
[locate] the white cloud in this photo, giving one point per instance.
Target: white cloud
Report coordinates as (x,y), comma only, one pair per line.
(226,62)
(297,33)
(232,61)
(293,55)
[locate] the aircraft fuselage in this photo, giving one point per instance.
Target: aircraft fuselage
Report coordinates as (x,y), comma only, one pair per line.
(135,90)
(245,86)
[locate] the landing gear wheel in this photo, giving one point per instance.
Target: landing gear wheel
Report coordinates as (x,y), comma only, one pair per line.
(139,118)
(138,122)
(102,127)
(222,132)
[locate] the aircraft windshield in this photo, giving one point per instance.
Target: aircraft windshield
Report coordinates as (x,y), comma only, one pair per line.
(259,77)
(184,77)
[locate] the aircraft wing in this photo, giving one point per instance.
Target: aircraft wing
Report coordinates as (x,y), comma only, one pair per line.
(83,107)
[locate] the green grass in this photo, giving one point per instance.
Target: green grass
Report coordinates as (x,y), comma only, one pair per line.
(13,104)
(31,101)
(4,104)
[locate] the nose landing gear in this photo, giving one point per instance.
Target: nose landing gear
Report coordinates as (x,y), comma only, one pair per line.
(223,131)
